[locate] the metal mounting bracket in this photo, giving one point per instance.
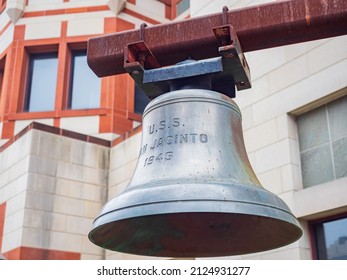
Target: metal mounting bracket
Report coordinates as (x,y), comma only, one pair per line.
(227,70)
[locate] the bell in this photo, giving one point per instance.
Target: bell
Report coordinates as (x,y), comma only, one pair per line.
(193,192)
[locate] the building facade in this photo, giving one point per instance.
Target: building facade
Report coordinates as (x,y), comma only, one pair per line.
(70,140)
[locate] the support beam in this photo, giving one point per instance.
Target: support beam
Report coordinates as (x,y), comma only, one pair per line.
(258,27)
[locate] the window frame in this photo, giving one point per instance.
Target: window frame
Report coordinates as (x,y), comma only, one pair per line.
(61,106)
(2,84)
(171,9)
(181,2)
(2,73)
(27,51)
(325,105)
(313,235)
(29,72)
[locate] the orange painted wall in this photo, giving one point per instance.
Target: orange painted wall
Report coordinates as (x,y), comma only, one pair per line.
(115,91)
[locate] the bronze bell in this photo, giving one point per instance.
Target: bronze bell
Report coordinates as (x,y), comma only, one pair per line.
(194,193)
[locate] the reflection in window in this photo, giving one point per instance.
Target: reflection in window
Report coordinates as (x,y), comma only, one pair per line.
(182,6)
(141,101)
(41,85)
(85,86)
(331,239)
(323,143)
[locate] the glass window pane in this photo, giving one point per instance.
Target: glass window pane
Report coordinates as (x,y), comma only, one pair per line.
(85,85)
(338,118)
(323,143)
(335,234)
(313,129)
(42,80)
(141,100)
(316,165)
(340,157)
(2,68)
(182,6)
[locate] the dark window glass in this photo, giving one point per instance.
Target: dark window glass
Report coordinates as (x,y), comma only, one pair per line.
(42,80)
(182,6)
(141,100)
(331,239)
(85,86)
(2,68)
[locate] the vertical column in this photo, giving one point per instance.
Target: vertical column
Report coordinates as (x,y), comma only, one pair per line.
(15,83)
(115,90)
(63,74)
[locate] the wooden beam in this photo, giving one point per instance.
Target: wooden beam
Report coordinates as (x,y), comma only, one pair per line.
(257,27)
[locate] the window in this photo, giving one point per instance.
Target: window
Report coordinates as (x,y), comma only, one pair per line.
(182,6)
(323,143)
(41,84)
(141,101)
(85,86)
(2,69)
(330,239)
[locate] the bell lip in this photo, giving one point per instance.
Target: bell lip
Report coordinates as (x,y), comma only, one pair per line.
(296,234)
(195,206)
(269,206)
(164,192)
(191,95)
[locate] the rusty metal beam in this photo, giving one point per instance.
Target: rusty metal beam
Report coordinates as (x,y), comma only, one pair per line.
(258,27)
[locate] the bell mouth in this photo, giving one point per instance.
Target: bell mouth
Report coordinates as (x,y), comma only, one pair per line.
(189,235)
(174,224)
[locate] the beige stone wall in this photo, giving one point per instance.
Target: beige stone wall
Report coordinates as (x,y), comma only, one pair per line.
(14,174)
(54,187)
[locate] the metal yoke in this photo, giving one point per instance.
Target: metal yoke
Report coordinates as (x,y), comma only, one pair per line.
(227,70)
